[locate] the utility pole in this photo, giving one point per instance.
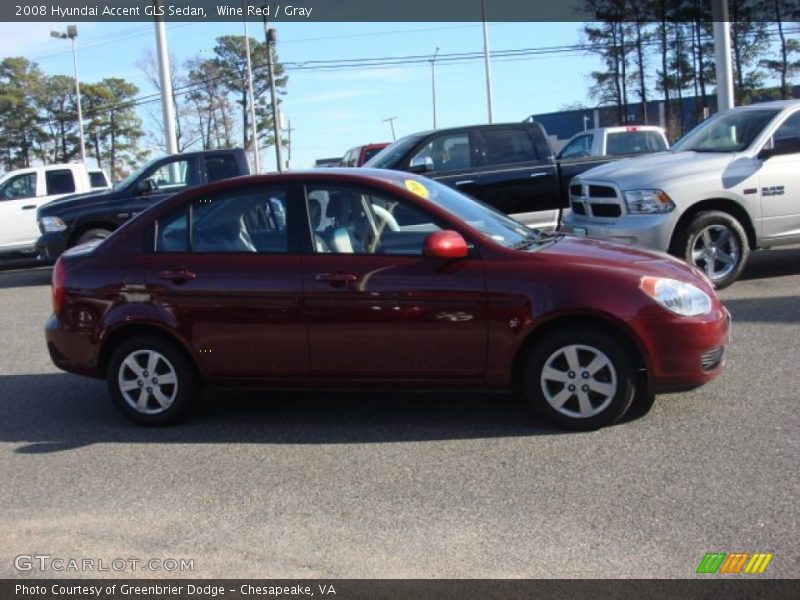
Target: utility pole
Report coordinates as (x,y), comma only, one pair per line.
(167,107)
(433,84)
(72,34)
(251,96)
(722,54)
(391,121)
(271,37)
(487,61)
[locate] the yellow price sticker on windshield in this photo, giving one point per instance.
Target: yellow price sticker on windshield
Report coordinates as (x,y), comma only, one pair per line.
(415,187)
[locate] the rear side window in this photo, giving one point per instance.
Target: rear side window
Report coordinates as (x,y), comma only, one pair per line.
(249,221)
(59,182)
(97,179)
(221,167)
(504,146)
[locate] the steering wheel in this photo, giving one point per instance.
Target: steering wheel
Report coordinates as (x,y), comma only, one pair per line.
(387,217)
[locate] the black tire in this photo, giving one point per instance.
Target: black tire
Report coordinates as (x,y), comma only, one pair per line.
(727,240)
(617,379)
(151,410)
(92,234)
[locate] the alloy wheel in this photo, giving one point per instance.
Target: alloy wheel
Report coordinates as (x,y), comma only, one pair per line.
(578,381)
(716,251)
(148,382)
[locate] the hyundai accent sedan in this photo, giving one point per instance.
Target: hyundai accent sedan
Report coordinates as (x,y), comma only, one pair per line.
(370,278)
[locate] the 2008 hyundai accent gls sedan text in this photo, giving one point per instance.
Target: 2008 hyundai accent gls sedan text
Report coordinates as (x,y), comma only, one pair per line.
(373,278)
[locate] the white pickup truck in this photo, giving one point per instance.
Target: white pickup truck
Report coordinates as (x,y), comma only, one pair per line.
(730,185)
(23,191)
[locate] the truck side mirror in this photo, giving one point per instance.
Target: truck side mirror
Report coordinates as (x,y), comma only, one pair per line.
(421,164)
(145,186)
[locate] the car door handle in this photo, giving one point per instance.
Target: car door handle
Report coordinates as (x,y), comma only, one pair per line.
(337,278)
(178,275)
(465,181)
(541,174)
(29,207)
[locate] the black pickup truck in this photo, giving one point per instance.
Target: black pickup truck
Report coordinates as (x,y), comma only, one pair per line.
(509,166)
(83,217)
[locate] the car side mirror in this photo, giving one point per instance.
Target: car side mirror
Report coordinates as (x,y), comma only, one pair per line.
(421,164)
(146,186)
(447,245)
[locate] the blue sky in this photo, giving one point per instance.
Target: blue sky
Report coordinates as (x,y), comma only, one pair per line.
(332,111)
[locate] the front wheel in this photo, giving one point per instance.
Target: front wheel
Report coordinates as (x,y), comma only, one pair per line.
(580,379)
(151,381)
(716,243)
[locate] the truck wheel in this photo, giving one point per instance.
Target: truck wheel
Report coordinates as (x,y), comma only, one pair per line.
(91,235)
(151,381)
(579,379)
(716,243)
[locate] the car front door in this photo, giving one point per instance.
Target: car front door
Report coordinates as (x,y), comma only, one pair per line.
(780,185)
(450,159)
(376,307)
(226,270)
(18,204)
(161,180)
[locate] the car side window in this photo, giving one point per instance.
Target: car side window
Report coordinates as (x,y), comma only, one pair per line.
(789,129)
(172,176)
(249,221)
(19,187)
(446,153)
(580,146)
(506,146)
(59,182)
(355,220)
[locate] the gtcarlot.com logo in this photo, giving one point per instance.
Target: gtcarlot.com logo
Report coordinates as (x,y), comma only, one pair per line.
(46,563)
(734,562)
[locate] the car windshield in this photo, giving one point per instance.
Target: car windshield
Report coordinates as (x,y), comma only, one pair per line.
(493,224)
(727,132)
(386,158)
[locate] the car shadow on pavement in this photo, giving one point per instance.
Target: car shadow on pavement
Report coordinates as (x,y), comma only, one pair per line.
(33,276)
(772,263)
(57,412)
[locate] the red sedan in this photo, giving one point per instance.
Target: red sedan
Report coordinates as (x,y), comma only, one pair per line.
(380,279)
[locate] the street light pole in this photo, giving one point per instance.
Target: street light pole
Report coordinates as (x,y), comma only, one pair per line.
(251,96)
(271,36)
(722,54)
(487,62)
(165,80)
(72,34)
(433,84)
(391,121)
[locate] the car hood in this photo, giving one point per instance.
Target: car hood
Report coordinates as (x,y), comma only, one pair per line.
(651,169)
(634,261)
(77,200)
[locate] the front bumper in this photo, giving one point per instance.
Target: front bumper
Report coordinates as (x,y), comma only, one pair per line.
(653,231)
(691,355)
(52,244)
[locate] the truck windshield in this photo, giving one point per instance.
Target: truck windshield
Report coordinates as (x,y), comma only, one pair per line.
(386,158)
(727,132)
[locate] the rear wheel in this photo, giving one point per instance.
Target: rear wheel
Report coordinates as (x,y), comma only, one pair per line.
(716,243)
(151,381)
(92,235)
(580,379)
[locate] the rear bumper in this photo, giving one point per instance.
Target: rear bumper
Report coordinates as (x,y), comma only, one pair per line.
(51,245)
(71,349)
(693,354)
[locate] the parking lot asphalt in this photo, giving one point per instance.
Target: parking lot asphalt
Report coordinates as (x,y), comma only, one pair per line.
(406,485)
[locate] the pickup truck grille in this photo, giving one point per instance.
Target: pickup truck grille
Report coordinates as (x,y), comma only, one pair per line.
(595,201)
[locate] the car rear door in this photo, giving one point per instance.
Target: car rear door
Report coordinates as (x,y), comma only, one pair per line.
(517,176)
(376,308)
(226,272)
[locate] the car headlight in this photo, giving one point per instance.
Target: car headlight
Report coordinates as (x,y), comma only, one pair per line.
(648,202)
(677,296)
(51,224)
